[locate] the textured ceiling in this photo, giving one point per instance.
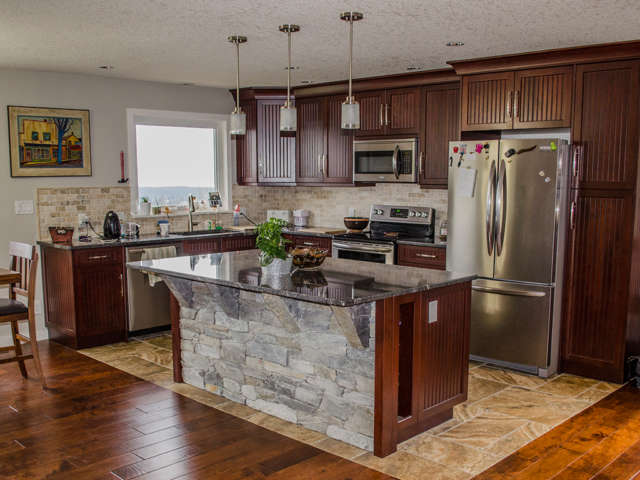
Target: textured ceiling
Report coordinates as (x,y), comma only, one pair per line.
(185,40)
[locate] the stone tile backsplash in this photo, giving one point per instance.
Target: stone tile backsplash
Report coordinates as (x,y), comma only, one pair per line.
(328,205)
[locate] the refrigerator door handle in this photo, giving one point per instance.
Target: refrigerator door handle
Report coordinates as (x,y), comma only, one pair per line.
(501,207)
(508,291)
(491,195)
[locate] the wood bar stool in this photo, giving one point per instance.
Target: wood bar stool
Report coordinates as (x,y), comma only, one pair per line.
(23,258)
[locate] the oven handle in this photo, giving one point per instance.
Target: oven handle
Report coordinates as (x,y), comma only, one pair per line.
(359,248)
(394,161)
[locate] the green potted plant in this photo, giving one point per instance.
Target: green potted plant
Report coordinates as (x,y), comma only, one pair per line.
(274,259)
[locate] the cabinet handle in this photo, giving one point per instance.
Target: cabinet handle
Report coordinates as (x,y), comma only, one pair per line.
(572,216)
(386,114)
(516,99)
(121,287)
(421,160)
(320,169)
(98,257)
(507,109)
(577,153)
(325,166)
(425,255)
(260,169)
(381,114)
(309,244)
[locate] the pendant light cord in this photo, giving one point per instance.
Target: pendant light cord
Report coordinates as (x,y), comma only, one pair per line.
(237,75)
(350,53)
(289,71)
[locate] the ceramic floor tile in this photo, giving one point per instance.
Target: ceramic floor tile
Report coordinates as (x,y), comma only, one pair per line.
(444,426)
(593,395)
(473,364)
(339,448)
(405,466)
(515,440)
(508,377)
(198,395)
(568,385)
(466,411)
(156,355)
(480,388)
(286,428)
(237,409)
(137,366)
(483,430)
(163,341)
(609,387)
(449,453)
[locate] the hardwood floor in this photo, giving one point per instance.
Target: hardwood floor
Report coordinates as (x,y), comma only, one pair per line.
(97,422)
(602,442)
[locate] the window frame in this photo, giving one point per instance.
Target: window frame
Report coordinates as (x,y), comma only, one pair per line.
(170,118)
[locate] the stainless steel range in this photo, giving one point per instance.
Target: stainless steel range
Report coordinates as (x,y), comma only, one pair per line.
(388,224)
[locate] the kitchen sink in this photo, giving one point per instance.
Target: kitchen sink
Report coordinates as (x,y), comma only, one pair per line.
(203,232)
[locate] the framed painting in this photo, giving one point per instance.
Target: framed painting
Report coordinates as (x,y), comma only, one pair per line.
(49,142)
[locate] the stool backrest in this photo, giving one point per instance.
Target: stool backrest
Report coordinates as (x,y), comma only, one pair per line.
(23,258)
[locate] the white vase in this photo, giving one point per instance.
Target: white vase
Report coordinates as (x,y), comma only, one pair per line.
(145,209)
(277,267)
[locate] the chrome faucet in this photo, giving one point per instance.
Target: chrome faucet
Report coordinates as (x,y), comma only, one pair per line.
(191,199)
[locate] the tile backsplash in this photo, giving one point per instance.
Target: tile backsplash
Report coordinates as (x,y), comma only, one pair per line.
(328,205)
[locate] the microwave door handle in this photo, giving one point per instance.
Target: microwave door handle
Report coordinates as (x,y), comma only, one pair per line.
(394,162)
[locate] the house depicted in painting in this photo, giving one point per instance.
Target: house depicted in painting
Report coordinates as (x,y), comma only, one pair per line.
(50,141)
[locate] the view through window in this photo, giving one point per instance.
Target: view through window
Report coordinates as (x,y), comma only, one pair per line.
(174,162)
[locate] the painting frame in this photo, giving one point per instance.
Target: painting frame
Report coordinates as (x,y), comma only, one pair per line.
(75,158)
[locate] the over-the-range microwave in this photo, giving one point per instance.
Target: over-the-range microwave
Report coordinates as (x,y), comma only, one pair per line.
(385,160)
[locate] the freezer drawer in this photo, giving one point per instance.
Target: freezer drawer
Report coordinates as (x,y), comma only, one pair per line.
(510,322)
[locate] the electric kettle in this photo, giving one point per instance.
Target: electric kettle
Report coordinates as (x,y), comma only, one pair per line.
(111,227)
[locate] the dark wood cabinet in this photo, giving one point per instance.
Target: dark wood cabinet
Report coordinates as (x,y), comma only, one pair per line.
(324,150)
(246,147)
(425,257)
(605,125)
(597,283)
(308,241)
(535,98)
(276,153)
(236,244)
(201,246)
(389,112)
(441,126)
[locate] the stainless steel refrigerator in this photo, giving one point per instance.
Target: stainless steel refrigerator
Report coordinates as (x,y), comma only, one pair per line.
(507,200)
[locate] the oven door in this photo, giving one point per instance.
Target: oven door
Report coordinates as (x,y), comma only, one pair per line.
(366,252)
(384,161)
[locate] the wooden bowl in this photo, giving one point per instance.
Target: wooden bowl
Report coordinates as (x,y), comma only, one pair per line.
(308,258)
(61,234)
(356,224)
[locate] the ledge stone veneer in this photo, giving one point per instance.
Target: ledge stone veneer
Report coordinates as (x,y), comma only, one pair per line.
(306,363)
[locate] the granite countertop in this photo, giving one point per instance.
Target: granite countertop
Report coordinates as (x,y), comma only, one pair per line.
(339,282)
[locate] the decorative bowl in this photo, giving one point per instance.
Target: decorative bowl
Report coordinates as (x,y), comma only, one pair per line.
(308,258)
(61,234)
(356,224)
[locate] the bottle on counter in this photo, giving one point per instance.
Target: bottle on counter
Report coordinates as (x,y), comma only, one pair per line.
(236,215)
(444,226)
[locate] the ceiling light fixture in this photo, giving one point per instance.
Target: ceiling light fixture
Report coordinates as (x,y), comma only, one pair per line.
(238,119)
(288,114)
(350,107)
(454,44)
(106,67)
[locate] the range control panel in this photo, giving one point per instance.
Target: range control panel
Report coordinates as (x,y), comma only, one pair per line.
(402,214)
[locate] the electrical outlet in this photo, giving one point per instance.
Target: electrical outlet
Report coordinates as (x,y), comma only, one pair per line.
(83,218)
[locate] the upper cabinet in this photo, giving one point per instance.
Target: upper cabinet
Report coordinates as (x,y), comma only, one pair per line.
(605,125)
(441,126)
(246,147)
(536,98)
(324,150)
(389,112)
(276,153)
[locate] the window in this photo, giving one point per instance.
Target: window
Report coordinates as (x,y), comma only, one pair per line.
(175,154)
(34,136)
(46,136)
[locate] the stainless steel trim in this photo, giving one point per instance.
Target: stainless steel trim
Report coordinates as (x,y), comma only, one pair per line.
(501,207)
(511,292)
(381,115)
(394,161)
(489,218)
(577,150)
(356,246)
(425,255)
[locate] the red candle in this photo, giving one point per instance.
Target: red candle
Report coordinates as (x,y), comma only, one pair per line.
(121,164)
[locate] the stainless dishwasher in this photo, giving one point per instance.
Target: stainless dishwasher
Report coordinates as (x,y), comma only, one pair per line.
(148,306)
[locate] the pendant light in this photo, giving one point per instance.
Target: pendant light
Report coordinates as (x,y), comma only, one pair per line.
(238,121)
(350,107)
(288,114)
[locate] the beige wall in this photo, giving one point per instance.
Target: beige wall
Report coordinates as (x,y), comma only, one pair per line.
(107,99)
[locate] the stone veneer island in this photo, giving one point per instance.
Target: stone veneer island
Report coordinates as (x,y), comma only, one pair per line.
(366,353)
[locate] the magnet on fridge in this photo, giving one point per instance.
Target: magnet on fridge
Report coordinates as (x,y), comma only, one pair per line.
(460,161)
(553,146)
(455,149)
(463,148)
(451,160)
(478,148)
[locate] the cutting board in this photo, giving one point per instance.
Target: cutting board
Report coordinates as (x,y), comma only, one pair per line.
(325,230)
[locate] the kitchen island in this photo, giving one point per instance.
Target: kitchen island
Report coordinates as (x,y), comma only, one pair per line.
(366,353)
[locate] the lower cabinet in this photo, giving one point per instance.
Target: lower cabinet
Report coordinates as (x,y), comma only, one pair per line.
(85,296)
(425,257)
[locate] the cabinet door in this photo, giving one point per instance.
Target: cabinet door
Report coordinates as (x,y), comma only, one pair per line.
(486,101)
(246,148)
(597,284)
(605,125)
(234,244)
(100,304)
(425,257)
(442,125)
(201,246)
(542,98)
(372,113)
(402,111)
(339,152)
(276,154)
(311,141)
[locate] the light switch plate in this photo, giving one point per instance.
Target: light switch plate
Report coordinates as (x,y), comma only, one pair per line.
(23,207)
(433,311)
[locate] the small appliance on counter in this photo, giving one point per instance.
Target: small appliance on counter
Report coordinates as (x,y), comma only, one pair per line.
(301,218)
(111,227)
(280,214)
(131,230)
(61,234)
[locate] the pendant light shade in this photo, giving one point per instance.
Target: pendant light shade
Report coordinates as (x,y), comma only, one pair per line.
(238,119)
(288,113)
(350,119)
